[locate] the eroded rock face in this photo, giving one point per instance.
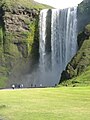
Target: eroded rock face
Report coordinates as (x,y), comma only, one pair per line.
(84,35)
(18,27)
(17,20)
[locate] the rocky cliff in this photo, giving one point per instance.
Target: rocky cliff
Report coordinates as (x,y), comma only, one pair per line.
(18,38)
(82,58)
(80,62)
(83,14)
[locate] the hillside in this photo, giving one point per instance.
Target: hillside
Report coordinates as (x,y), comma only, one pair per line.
(31,4)
(19,38)
(81,80)
(83,14)
(77,71)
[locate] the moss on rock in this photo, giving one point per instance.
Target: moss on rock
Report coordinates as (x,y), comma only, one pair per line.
(81,60)
(83,14)
(19,37)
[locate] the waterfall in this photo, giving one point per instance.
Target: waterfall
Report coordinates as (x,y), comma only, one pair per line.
(42,49)
(56,49)
(57,46)
(63,37)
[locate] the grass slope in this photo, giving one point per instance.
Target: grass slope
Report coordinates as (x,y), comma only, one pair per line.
(25,3)
(79,67)
(65,103)
(81,80)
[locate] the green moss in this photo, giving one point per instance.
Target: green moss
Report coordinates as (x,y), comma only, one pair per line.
(88,28)
(3,70)
(82,59)
(1,42)
(13,50)
(7,39)
(78,65)
(9,47)
(86,45)
(9,4)
(3,81)
(17,46)
(1,36)
(81,80)
(31,34)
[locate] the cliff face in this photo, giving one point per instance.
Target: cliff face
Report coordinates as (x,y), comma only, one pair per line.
(80,62)
(83,14)
(19,27)
(18,38)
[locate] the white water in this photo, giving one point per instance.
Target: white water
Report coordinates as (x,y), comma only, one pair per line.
(42,29)
(63,37)
(63,43)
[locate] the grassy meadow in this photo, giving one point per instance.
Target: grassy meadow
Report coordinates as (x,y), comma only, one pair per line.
(61,103)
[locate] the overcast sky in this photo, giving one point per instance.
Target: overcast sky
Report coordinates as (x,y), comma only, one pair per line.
(60,3)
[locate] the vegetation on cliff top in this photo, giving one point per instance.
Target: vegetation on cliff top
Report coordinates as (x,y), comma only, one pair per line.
(24,3)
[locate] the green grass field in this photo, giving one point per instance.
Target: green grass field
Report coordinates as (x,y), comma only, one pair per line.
(61,103)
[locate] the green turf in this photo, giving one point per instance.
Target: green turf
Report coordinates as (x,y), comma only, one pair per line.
(25,3)
(63,103)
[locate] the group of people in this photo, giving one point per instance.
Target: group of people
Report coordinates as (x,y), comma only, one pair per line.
(17,86)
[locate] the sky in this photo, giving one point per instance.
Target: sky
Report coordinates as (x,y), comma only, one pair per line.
(60,3)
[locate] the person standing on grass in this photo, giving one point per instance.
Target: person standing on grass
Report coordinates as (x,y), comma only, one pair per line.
(13,86)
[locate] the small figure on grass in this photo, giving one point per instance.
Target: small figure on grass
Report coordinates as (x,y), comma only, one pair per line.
(13,86)
(40,85)
(21,85)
